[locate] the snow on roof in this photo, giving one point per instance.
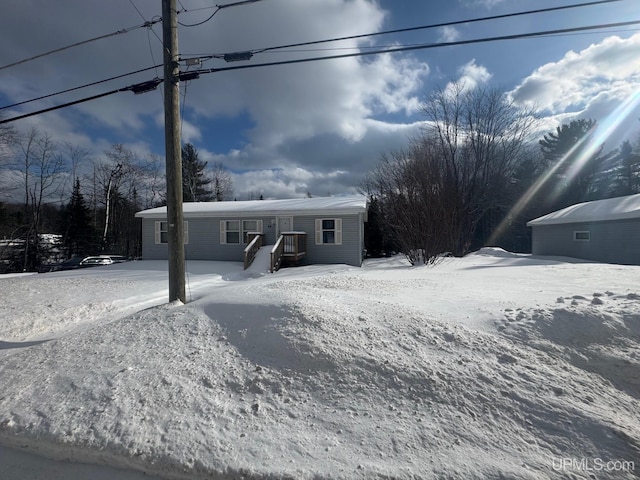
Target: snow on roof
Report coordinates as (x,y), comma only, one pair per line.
(618,208)
(292,206)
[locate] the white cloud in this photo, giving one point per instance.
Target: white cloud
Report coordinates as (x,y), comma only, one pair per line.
(321,165)
(593,83)
(322,117)
(449,34)
(190,132)
(291,103)
(579,79)
(471,75)
(488,4)
(280,183)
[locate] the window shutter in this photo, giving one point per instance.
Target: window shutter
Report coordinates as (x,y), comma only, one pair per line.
(259,225)
(223,232)
(318,231)
(186,232)
(338,235)
(158,236)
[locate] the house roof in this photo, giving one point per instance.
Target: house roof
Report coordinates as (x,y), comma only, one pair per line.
(294,206)
(618,208)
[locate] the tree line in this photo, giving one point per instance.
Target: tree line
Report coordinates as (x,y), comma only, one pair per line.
(58,201)
(476,174)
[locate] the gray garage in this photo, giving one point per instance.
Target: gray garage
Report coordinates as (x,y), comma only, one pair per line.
(603,231)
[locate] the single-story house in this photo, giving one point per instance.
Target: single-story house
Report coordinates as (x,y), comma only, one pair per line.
(324,230)
(603,231)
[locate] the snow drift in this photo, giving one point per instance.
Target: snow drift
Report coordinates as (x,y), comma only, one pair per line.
(493,366)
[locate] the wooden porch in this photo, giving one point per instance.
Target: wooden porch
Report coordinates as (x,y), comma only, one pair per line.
(289,249)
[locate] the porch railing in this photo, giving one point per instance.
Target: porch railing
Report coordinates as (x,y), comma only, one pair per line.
(290,245)
(255,242)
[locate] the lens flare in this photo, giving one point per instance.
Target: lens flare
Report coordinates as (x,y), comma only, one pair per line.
(587,146)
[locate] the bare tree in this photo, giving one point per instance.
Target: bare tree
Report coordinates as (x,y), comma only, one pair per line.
(114,179)
(221,182)
(433,195)
(481,136)
(414,205)
(153,182)
(74,157)
(42,168)
(8,140)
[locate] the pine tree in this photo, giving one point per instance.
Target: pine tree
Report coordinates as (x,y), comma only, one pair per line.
(80,236)
(574,161)
(625,176)
(194,181)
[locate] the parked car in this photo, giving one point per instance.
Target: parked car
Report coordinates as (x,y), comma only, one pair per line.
(70,264)
(117,258)
(83,262)
(94,261)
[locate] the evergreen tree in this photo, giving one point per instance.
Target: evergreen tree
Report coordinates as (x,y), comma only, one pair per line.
(79,234)
(625,175)
(378,240)
(575,164)
(194,181)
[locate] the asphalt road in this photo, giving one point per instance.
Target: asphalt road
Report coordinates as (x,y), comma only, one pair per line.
(19,464)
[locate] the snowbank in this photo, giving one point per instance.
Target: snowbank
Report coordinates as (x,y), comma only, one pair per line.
(492,366)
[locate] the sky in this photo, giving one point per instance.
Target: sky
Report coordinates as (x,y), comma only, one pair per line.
(514,366)
(315,127)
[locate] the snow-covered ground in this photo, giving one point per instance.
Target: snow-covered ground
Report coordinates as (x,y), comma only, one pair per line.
(496,365)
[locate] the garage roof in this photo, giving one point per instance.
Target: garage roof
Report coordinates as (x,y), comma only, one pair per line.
(618,208)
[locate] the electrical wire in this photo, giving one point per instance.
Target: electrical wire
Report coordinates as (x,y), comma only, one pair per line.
(113,34)
(68,104)
(427,46)
(430,26)
(158,19)
(348,55)
(137,10)
(80,87)
(218,8)
(199,23)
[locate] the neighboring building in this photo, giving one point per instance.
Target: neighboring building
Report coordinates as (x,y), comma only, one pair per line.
(331,229)
(603,231)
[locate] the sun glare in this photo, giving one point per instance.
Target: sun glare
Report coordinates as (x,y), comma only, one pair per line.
(587,147)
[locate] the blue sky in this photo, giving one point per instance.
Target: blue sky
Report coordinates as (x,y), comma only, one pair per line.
(316,127)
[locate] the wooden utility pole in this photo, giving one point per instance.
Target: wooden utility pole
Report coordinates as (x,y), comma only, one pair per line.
(173,152)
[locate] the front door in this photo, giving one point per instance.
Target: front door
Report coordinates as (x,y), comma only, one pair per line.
(285,224)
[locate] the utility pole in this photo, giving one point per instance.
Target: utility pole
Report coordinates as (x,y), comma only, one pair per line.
(173,152)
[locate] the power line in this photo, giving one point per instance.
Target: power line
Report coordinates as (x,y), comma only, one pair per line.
(158,19)
(218,8)
(444,24)
(137,10)
(147,23)
(57,107)
(113,34)
(137,88)
(430,26)
(80,87)
(426,46)
(142,87)
(395,45)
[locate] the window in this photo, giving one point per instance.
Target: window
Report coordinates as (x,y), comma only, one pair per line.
(233,232)
(582,236)
(162,232)
(230,231)
(329,231)
(250,226)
